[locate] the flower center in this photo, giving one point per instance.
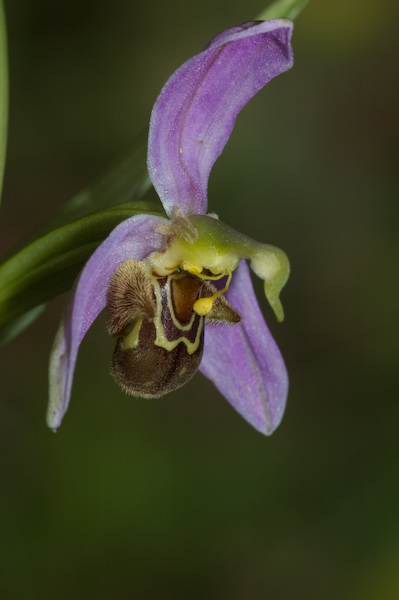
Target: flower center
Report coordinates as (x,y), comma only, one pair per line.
(209,249)
(158,323)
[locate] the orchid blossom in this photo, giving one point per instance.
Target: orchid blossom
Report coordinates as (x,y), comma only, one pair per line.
(167,280)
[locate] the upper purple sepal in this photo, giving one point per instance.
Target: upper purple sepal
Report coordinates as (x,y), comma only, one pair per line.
(194,114)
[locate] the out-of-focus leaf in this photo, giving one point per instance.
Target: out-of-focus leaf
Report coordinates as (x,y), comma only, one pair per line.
(48,266)
(288,9)
(18,325)
(3,93)
(123,183)
(126,180)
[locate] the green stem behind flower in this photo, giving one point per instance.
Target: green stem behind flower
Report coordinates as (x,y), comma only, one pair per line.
(48,266)
(55,242)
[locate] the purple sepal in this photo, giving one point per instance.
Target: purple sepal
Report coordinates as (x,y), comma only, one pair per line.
(134,238)
(194,114)
(244,362)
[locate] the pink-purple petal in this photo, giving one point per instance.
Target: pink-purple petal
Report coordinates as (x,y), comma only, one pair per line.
(134,238)
(195,112)
(244,362)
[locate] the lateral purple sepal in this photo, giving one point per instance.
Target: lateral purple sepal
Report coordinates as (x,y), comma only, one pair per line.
(244,362)
(194,114)
(134,238)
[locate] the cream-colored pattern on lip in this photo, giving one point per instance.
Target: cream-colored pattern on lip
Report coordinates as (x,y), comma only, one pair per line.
(161,339)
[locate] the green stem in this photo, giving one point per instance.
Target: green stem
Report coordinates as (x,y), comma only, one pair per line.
(288,9)
(48,266)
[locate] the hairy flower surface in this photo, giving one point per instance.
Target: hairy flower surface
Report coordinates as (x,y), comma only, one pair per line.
(178,290)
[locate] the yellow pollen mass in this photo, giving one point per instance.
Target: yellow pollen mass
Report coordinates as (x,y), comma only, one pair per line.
(203,306)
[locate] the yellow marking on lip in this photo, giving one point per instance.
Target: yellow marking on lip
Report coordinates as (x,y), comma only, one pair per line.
(132,339)
(161,339)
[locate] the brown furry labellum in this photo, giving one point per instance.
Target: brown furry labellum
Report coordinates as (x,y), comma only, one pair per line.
(159,338)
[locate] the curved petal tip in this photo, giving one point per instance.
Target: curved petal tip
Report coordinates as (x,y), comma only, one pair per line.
(194,114)
(244,362)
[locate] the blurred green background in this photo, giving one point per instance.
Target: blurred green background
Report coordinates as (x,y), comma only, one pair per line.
(179,497)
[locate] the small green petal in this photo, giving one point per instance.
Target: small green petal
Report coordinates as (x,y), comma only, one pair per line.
(272,265)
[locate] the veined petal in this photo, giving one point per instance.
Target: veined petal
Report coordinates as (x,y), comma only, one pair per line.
(244,362)
(134,238)
(195,112)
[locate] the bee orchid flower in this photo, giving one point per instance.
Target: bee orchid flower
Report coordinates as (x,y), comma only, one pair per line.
(177,289)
